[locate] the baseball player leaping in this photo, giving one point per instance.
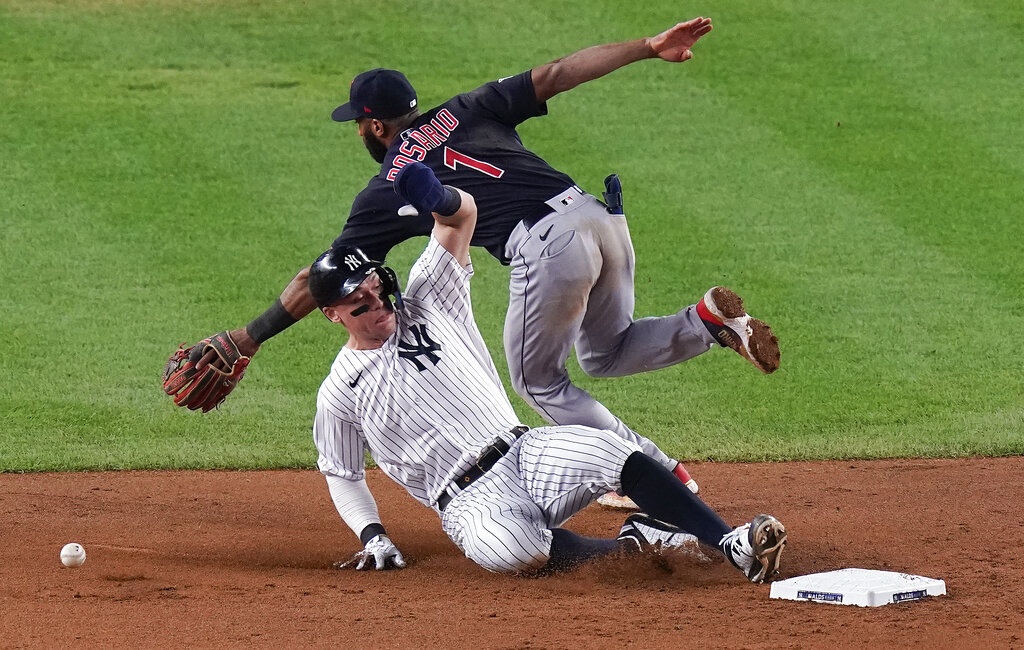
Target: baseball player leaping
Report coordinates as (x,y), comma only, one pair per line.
(416,386)
(571,256)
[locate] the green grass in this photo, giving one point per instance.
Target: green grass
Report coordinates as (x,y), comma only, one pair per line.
(855,171)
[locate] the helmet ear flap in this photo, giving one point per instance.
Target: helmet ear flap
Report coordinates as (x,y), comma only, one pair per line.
(388,280)
(389,285)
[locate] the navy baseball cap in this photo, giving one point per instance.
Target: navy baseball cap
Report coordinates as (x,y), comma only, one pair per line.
(379,94)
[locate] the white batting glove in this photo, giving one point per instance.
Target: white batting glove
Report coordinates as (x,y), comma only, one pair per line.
(380,553)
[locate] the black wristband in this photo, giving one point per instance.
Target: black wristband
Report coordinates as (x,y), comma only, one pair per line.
(273,321)
(451,203)
(371,531)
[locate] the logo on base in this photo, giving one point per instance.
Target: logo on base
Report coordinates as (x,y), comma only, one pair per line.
(820,595)
(909,595)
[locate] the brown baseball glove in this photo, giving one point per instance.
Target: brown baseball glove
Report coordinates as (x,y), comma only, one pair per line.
(204,389)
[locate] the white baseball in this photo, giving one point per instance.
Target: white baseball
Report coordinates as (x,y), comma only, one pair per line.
(72,555)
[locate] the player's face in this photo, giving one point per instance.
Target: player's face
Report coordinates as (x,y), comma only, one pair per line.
(373,144)
(369,319)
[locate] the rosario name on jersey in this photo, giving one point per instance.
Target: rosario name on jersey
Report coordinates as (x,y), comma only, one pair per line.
(426,401)
(470,142)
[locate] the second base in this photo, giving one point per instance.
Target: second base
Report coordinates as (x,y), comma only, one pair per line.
(864,587)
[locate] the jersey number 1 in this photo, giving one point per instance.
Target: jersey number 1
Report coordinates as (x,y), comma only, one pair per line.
(453,158)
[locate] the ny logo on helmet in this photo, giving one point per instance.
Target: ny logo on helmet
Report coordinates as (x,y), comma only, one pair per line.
(352,262)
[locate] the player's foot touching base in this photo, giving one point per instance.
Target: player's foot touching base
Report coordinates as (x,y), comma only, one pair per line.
(722,312)
(756,548)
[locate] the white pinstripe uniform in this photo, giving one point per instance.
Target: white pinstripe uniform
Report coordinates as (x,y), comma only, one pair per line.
(429,399)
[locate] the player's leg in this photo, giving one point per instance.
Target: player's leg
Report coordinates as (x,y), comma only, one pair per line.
(553,270)
(498,524)
(565,467)
(755,548)
(610,342)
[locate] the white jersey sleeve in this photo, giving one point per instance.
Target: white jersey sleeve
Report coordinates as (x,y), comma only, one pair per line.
(354,502)
(437,279)
(337,433)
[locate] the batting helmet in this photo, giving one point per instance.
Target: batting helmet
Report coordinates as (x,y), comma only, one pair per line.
(340,271)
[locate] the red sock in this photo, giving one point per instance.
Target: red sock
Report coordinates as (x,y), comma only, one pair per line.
(705,314)
(685,477)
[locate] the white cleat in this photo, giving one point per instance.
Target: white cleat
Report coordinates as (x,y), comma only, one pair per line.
(721,311)
(650,534)
(756,548)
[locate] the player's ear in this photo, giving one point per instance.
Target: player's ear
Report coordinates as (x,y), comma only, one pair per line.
(377,128)
(332,313)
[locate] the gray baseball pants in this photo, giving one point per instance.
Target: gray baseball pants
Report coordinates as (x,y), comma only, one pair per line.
(572,284)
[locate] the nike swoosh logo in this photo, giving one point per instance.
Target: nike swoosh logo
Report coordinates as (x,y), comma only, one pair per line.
(355,381)
(547,232)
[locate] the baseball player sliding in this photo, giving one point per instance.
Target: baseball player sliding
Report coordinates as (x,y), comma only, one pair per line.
(571,258)
(415,385)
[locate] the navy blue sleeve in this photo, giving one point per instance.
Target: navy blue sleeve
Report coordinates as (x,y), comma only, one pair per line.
(374,224)
(511,100)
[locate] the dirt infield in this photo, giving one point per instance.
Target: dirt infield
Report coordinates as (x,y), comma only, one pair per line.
(243,558)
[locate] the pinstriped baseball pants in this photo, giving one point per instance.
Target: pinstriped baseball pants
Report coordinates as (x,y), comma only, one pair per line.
(503,520)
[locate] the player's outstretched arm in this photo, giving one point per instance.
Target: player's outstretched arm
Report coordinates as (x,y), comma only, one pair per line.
(588,64)
(202,376)
(454,211)
(358,509)
(674,44)
(294,304)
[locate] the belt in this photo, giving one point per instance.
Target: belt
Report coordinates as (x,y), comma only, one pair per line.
(485,461)
(561,203)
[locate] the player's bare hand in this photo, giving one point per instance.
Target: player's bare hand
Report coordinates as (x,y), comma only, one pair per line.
(674,44)
(246,346)
(380,553)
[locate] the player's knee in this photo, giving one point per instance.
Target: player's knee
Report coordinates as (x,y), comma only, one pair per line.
(508,563)
(496,548)
(540,389)
(506,555)
(600,366)
(606,363)
(516,379)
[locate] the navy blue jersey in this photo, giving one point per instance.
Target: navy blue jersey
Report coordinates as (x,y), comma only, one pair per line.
(470,142)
